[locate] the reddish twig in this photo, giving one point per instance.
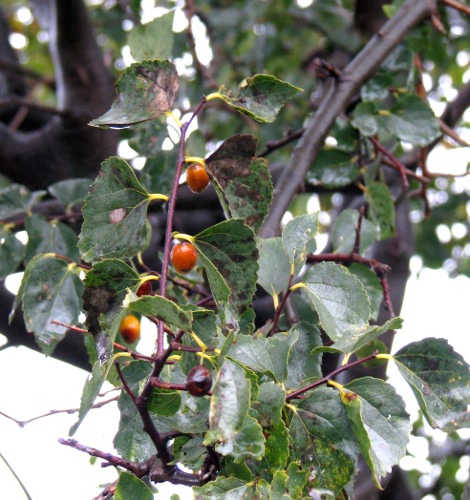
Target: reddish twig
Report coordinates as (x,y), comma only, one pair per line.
(386,291)
(280,307)
(393,161)
(458,6)
(346,258)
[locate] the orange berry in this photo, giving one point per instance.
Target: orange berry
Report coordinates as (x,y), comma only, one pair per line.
(197,178)
(144,289)
(183,257)
(130,328)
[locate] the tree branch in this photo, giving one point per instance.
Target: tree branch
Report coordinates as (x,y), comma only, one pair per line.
(360,69)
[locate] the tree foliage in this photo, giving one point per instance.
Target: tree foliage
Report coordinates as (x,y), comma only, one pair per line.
(297,101)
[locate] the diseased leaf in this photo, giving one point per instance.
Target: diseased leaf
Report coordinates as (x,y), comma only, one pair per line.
(11,251)
(50,237)
(274,266)
(322,440)
(50,290)
(146,90)
(114,215)
(242,181)
(163,309)
(229,403)
(379,421)
(154,39)
(339,298)
(225,488)
(381,208)
(440,380)
(130,486)
(230,257)
(344,232)
(261,97)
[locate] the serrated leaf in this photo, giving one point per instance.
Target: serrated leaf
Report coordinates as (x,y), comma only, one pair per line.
(274,266)
(298,239)
(224,488)
(11,251)
(344,232)
(229,403)
(50,237)
(50,290)
(339,298)
(154,39)
(381,208)
(261,97)
(130,486)
(303,366)
(17,199)
(322,440)
(266,355)
(146,90)
(105,288)
(372,285)
(91,390)
(440,380)
(248,443)
(242,181)
(379,421)
(333,168)
(71,192)
(230,257)
(114,214)
(163,309)
(164,402)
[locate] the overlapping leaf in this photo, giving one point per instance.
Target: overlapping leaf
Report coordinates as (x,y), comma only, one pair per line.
(11,251)
(379,421)
(17,199)
(261,97)
(298,239)
(344,232)
(154,39)
(146,90)
(129,486)
(440,380)
(242,181)
(274,266)
(333,168)
(114,215)
(382,208)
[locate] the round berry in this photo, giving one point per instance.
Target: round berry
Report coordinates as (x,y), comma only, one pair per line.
(183,257)
(130,328)
(199,381)
(197,178)
(144,289)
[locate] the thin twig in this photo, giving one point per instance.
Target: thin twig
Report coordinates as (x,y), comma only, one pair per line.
(457,5)
(23,487)
(393,161)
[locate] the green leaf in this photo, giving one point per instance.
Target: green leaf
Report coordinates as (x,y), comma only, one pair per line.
(333,168)
(224,488)
(50,290)
(50,237)
(229,403)
(242,181)
(274,266)
(17,199)
(379,421)
(159,171)
(322,440)
(164,402)
(130,486)
(344,232)
(230,257)
(339,298)
(372,285)
(303,366)
(91,390)
(364,119)
(71,192)
(261,97)
(191,454)
(146,90)
(163,309)
(248,443)
(105,288)
(266,355)
(11,251)
(298,239)
(114,215)
(381,208)
(154,39)
(440,380)
(297,478)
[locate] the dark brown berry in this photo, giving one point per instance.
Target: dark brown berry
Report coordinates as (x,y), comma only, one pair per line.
(199,381)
